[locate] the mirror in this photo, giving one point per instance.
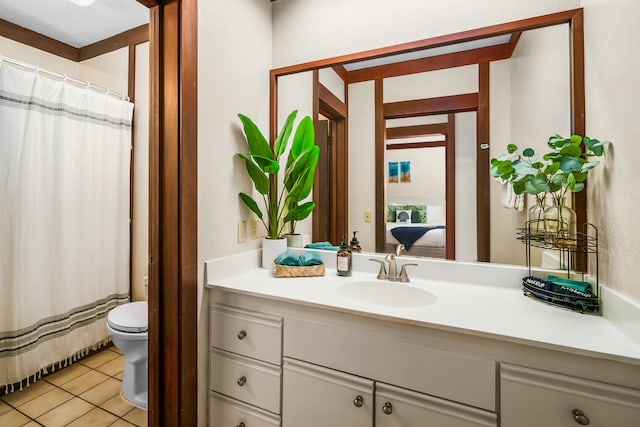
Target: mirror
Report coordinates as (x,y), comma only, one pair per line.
(497,84)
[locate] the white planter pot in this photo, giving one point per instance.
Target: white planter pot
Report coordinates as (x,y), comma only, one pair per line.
(271,248)
(294,240)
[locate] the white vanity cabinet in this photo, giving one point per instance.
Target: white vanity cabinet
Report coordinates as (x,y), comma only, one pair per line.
(538,398)
(245,359)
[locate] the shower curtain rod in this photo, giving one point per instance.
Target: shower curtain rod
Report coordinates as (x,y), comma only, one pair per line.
(89,85)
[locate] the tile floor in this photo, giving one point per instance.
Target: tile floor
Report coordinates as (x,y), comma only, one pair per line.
(86,393)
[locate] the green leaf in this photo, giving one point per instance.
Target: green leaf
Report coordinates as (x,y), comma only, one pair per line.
(280,145)
(570,164)
(259,178)
(540,183)
(267,165)
(299,178)
(571,181)
(528,152)
(571,151)
(551,168)
(300,212)
(586,167)
(512,148)
(578,187)
(303,139)
(251,204)
(576,139)
(255,139)
(493,162)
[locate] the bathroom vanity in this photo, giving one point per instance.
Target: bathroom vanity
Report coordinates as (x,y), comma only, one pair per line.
(450,353)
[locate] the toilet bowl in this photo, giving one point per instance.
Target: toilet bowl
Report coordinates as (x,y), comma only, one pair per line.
(127,326)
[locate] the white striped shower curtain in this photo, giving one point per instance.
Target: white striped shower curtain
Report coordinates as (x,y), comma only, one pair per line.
(64,220)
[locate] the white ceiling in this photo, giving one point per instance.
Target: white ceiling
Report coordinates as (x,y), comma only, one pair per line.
(75,25)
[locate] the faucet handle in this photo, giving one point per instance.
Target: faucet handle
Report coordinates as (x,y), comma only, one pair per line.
(403,277)
(382,274)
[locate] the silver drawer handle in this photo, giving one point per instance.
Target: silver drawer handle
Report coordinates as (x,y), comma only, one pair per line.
(580,417)
(242,334)
(387,408)
(242,381)
(358,401)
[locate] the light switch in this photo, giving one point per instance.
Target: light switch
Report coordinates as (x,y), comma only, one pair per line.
(242,231)
(367,216)
(254,233)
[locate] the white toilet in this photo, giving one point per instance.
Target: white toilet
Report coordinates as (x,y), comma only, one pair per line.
(127,326)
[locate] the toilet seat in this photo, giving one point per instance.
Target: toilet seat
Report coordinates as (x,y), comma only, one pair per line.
(130,317)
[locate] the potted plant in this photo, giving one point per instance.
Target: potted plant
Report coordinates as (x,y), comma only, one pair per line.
(281,204)
(564,168)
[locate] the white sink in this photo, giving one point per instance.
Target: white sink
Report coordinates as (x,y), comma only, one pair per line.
(389,294)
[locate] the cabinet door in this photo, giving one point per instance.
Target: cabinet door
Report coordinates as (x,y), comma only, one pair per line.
(227,412)
(396,407)
(536,398)
(313,396)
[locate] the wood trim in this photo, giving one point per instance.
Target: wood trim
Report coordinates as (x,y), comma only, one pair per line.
(149,3)
(173,216)
(127,38)
(424,107)
(475,34)
(483,211)
(450,184)
(416,131)
(426,144)
(331,101)
(513,41)
(439,62)
(37,40)
(341,72)
(131,90)
(315,108)
(380,188)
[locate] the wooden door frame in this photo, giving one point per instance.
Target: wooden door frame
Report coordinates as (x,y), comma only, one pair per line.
(173,272)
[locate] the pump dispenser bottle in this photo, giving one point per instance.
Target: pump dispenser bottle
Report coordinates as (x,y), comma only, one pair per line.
(343,264)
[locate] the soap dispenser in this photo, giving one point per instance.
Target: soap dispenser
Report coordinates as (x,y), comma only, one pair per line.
(355,244)
(343,264)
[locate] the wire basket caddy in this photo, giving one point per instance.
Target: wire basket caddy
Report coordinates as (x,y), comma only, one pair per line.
(574,253)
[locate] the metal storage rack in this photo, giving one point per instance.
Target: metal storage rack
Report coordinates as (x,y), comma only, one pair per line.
(584,246)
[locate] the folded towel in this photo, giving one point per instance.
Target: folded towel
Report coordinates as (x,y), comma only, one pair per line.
(575,284)
(288,258)
(327,246)
(310,258)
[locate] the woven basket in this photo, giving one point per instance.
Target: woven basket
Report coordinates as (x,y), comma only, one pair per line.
(298,271)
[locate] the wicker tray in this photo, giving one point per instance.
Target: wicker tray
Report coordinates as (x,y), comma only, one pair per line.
(298,271)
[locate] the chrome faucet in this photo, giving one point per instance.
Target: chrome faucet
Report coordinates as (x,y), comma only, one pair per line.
(392,275)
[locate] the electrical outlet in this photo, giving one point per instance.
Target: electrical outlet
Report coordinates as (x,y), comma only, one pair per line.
(254,233)
(242,231)
(367,216)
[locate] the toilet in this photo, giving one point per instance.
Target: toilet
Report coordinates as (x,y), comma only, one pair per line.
(127,326)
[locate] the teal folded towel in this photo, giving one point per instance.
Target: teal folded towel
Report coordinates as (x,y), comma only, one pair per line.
(310,258)
(574,284)
(288,258)
(327,246)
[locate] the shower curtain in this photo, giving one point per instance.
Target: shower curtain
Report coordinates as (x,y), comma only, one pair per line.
(64,220)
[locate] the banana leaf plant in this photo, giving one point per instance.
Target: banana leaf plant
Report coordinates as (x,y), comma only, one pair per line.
(263,166)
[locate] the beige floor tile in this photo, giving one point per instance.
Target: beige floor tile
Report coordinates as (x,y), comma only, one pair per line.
(119,376)
(114,349)
(4,408)
(13,418)
(121,423)
(95,418)
(62,415)
(32,424)
(117,405)
(137,416)
(67,374)
(44,403)
(34,390)
(84,382)
(99,359)
(103,391)
(112,367)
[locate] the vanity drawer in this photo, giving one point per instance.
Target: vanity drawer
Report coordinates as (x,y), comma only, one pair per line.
(248,380)
(531,398)
(396,407)
(226,412)
(249,333)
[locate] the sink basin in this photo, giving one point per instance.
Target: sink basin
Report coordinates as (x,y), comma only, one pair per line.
(387,294)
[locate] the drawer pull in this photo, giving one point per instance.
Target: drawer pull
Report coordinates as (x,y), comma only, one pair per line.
(242,381)
(358,401)
(240,425)
(242,334)
(387,408)
(580,417)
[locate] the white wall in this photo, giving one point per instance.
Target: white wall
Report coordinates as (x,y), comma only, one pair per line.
(234,58)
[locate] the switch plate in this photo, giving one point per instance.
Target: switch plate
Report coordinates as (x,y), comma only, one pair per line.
(254,233)
(242,231)
(367,216)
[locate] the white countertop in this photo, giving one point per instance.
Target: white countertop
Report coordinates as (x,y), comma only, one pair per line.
(500,312)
